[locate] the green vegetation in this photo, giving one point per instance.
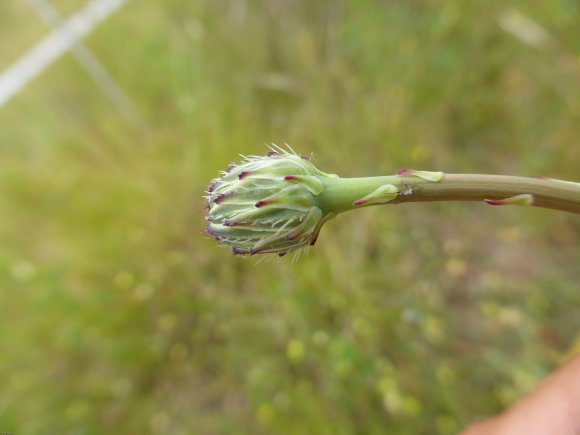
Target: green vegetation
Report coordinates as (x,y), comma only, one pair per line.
(118,315)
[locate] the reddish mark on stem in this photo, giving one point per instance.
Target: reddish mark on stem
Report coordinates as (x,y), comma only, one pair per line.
(243,175)
(495,202)
(261,203)
(405,171)
(523,199)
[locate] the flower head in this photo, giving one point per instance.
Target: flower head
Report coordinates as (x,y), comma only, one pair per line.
(267,204)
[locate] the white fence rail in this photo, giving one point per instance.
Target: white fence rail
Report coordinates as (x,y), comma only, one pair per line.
(65,37)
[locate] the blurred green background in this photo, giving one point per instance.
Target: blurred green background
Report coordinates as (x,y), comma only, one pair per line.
(118,315)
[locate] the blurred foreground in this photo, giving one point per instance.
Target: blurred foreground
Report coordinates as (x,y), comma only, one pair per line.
(119,316)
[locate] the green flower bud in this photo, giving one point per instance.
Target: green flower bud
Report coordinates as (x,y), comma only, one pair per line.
(267,204)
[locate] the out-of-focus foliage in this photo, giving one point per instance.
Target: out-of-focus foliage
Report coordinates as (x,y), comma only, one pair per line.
(118,315)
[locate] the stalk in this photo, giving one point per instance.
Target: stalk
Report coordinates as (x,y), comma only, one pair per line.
(341,193)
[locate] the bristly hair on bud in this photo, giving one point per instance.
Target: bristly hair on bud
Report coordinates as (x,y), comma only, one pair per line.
(267,204)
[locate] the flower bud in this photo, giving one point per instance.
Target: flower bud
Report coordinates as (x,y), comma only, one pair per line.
(267,204)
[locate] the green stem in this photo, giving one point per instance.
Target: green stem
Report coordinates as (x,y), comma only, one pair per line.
(340,193)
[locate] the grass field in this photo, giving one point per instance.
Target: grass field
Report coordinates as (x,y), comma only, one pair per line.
(119,316)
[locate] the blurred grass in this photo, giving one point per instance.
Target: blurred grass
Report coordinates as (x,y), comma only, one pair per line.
(118,314)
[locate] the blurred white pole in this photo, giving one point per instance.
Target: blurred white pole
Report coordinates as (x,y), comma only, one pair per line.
(51,16)
(53,46)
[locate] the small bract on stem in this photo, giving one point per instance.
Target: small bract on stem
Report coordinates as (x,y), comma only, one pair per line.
(279,202)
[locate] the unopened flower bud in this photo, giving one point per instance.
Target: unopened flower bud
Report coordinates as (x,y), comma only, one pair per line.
(267,204)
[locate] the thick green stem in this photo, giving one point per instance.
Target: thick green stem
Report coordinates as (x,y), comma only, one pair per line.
(341,193)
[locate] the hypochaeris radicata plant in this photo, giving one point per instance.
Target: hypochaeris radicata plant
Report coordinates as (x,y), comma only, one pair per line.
(278,202)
